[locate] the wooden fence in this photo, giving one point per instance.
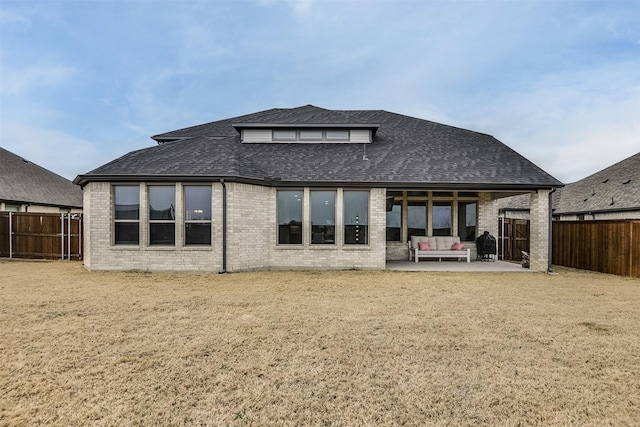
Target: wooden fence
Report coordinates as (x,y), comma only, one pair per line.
(605,246)
(40,236)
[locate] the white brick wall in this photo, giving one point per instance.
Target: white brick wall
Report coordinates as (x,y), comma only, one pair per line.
(251,235)
(539,230)
(339,256)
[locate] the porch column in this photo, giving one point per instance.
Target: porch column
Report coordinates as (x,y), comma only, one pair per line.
(539,230)
(487,215)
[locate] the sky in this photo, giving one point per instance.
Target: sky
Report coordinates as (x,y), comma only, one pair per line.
(84,82)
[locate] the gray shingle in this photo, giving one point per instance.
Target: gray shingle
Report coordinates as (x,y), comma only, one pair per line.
(405,151)
(611,189)
(25,182)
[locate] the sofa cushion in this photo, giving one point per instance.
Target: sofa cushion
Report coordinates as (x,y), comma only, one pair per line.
(457,246)
(424,246)
(416,239)
(436,243)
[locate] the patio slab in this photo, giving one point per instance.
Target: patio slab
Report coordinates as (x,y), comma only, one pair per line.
(457,266)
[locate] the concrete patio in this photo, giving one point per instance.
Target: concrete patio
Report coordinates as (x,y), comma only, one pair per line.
(457,266)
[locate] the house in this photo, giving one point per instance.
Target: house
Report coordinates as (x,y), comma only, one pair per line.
(303,187)
(27,187)
(612,193)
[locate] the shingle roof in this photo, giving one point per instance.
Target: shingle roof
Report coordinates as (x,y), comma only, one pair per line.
(614,188)
(405,151)
(25,182)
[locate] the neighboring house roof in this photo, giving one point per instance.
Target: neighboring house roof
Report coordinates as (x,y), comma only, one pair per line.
(25,182)
(406,151)
(613,189)
(616,188)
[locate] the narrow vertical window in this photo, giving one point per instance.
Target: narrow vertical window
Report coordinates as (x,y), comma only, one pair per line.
(417,218)
(126,214)
(442,218)
(394,217)
(197,215)
(290,217)
(323,217)
(467,221)
(356,217)
(162,215)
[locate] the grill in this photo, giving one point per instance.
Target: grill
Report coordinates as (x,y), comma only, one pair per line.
(486,247)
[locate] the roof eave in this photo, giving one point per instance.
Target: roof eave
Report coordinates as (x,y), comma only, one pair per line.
(82,180)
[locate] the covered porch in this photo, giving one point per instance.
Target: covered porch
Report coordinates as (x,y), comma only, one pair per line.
(463,214)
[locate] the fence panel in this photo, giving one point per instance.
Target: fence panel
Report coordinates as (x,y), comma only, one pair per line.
(604,246)
(36,235)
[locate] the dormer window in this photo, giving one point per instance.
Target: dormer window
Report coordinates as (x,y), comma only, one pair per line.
(306,133)
(310,135)
(284,135)
(337,135)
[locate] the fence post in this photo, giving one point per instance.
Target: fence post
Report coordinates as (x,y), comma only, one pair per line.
(10,235)
(62,236)
(69,236)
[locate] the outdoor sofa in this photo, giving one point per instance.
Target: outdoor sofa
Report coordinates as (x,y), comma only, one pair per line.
(437,247)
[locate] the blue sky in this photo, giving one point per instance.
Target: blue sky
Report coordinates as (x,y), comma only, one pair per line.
(84,82)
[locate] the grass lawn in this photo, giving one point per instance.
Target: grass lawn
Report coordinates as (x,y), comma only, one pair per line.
(316,348)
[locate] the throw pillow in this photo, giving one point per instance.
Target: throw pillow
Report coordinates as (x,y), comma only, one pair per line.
(424,246)
(457,247)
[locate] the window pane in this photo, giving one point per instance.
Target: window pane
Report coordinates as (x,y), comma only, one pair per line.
(290,217)
(162,233)
(443,194)
(197,233)
(197,203)
(467,221)
(323,217)
(338,134)
(442,219)
(417,194)
(127,201)
(356,217)
(126,233)
(162,202)
(284,134)
(417,219)
(394,221)
(311,134)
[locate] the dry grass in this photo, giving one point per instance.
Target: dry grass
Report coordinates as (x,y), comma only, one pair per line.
(316,348)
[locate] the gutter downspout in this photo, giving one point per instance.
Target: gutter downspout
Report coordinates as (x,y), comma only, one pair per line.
(550,245)
(224,227)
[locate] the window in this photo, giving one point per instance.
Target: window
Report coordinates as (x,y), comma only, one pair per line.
(310,134)
(417,219)
(356,217)
(394,217)
(126,214)
(323,217)
(285,134)
(467,221)
(197,215)
(342,135)
(12,208)
(290,217)
(162,215)
(442,218)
